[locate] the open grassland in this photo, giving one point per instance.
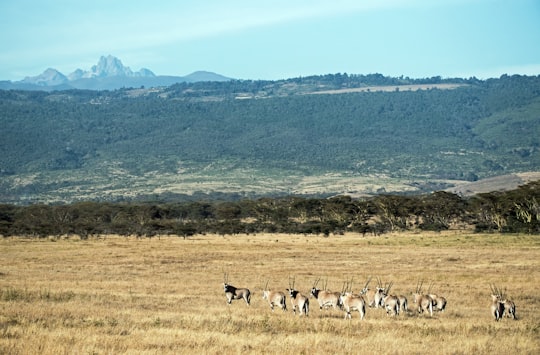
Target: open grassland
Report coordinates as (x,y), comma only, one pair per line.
(154,296)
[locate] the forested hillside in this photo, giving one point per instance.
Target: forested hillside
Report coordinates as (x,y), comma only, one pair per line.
(68,145)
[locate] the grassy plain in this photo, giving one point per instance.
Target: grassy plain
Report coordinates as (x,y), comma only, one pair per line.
(164,295)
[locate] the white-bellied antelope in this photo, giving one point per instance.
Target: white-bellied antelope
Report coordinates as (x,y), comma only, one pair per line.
(424,302)
(233,293)
(298,300)
(324,297)
(352,302)
(275,298)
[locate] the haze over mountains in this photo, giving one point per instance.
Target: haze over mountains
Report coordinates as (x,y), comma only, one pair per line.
(108,74)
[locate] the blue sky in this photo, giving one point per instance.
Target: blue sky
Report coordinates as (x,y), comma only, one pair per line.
(278,39)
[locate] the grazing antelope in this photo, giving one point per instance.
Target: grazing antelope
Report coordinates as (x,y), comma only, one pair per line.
(274,298)
(233,293)
(424,302)
(298,300)
(352,302)
(390,302)
(324,297)
(497,305)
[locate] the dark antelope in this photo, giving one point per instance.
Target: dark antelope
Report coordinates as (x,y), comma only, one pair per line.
(233,293)
(298,300)
(324,297)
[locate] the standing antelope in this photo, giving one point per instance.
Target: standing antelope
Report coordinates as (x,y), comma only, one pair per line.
(298,300)
(424,302)
(403,304)
(390,302)
(352,302)
(439,302)
(497,305)
(373,296)
(510,307)
(233,293)
(324,297)
(274,298)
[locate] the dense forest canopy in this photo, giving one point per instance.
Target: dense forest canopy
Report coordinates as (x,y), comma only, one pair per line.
(52,141)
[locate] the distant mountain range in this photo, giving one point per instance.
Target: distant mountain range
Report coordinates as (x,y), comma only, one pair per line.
(108,74)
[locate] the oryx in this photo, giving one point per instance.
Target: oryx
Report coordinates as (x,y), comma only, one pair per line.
(497,305)
(324,297)
(439,302)
(510,308)
(403,303)
(274,298)
(298,300)
(352,302)
(424,302)
(390,302)
(373,296)
(233,293)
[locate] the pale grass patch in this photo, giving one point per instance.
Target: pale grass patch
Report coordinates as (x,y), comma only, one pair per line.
(165,296)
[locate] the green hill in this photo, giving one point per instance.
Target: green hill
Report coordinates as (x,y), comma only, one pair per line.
(250,138)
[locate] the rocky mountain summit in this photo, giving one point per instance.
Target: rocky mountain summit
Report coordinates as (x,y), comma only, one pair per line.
(108,74)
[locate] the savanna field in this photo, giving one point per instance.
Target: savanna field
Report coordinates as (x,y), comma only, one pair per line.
(115,295)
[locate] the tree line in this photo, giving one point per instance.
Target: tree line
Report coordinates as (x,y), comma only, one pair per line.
(516,211)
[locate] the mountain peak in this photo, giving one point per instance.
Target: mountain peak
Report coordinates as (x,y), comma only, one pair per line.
(49,77)
(108,66)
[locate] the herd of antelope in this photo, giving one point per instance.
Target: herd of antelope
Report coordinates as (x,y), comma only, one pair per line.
(377,297)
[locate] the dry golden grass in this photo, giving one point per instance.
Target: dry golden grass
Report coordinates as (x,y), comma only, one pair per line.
(156,296)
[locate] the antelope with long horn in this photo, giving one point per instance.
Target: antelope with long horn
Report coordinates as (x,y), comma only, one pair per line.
(298,300)
(423,301)
(497,305)
(274,298)
(325,297)
(439,302)
(390,302)
(373,296)
(233,293)
(352,302)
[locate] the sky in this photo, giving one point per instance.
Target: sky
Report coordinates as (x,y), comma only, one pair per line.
(271,40)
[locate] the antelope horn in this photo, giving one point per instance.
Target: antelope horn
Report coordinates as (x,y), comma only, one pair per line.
(367,282)
(389,287)
(266,285)
(225,277)
(316,282)
(291,285)
(430,286)
(379,282)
